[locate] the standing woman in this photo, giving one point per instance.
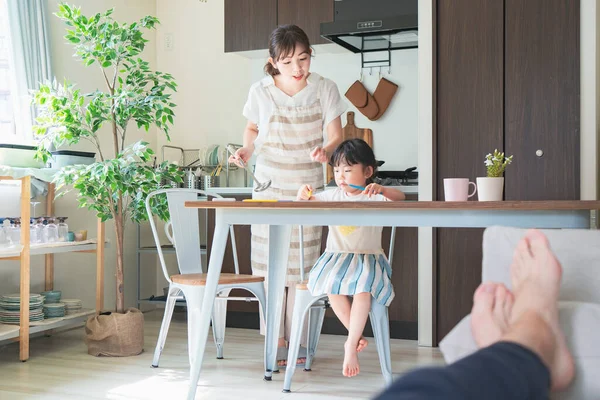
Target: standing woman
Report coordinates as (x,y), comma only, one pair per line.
(288,112)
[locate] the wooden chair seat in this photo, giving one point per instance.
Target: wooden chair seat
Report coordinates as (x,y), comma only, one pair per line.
(224,279)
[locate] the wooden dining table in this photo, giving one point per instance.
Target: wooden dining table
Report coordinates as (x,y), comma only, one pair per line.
(282,215)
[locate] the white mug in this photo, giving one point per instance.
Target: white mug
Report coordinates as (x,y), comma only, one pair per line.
(457,189)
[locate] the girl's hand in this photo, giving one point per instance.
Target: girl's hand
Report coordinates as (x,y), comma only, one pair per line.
(318,154)
(305,192)
(373,188)
(243,154)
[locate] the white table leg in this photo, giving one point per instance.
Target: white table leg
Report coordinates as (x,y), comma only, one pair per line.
(279,243)
(210,291)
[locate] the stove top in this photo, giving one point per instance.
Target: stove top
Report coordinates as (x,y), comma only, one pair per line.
(396,182)
(408,177)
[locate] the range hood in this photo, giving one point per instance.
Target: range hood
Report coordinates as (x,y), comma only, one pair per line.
(373,25)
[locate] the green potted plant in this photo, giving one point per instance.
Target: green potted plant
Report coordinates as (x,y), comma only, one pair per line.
(491,187)
(116,185)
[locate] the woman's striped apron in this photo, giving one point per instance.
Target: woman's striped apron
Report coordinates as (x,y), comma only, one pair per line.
(284,158)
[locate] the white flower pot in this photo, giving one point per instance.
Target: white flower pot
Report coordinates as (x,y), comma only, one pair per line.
(490,189)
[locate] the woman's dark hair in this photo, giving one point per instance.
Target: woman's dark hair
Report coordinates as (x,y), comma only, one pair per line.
(352,152)
(282,42)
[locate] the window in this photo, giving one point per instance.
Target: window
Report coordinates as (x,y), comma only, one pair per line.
(7,82)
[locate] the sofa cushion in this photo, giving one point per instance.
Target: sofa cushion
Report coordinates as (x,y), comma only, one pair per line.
(578,250)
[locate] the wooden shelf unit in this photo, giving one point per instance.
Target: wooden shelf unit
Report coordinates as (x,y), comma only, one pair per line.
(23,330)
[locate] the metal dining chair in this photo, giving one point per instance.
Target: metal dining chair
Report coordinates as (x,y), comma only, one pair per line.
(315,306)
(190,282)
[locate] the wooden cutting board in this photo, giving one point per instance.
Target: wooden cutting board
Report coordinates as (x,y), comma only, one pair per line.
(351,131)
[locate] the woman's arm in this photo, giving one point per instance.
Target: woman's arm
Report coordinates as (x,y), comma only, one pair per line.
(334,136)
(250,135)
(244,153)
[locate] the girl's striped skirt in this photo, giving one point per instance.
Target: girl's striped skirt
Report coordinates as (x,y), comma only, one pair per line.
(352,273)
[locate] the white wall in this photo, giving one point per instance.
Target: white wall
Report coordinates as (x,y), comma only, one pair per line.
(75,273)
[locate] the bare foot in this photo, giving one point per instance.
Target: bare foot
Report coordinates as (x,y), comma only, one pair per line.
(362,343)
(536,276)
(492,305)
(350,367)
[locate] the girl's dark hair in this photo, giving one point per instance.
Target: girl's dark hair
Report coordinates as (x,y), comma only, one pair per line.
(352,152)
(282,42)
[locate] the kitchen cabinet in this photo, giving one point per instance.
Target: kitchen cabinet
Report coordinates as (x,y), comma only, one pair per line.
(308,15)
(248,23)
(402,311)
(506,77)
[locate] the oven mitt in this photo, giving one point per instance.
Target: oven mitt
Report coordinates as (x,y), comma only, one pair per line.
(362,99)
(383,96)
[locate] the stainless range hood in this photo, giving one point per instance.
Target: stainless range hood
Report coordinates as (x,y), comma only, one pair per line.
(373,25)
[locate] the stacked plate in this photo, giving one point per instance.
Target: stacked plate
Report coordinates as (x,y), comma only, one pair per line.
(10,308)
(72,306)
(54,310)
(52,296)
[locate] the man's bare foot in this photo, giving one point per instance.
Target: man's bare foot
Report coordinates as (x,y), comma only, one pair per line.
(362,343)
(492,305)
(350,367)
(536,276)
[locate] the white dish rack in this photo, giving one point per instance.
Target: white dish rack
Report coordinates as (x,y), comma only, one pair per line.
(209,161)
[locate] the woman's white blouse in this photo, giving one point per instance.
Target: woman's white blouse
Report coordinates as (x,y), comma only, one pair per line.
(259,106)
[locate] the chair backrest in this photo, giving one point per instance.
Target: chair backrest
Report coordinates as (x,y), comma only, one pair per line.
(185,226)
(578,250)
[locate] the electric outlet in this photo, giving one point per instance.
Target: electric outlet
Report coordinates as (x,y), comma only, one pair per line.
(169,43)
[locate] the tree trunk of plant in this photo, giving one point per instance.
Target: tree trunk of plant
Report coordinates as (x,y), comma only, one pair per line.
(119,225)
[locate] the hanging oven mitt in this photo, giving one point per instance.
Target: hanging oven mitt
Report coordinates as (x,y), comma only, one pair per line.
(383,96)
(362,99)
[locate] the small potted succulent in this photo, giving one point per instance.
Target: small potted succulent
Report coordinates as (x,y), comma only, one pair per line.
(491,187)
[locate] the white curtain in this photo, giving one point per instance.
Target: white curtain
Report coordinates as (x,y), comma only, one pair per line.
(31,58)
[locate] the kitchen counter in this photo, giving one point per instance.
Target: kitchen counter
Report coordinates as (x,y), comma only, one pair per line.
(248,190)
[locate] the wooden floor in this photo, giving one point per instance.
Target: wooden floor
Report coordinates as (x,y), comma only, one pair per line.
(59,368)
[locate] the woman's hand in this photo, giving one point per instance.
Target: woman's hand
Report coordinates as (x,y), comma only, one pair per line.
(305,193)
(373,188)
(241,154)
(318,154)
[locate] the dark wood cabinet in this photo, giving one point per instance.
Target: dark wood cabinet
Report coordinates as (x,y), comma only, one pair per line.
(542,99)
(308,15)
(470,78)
(248,23)
(506,77)
(402,311)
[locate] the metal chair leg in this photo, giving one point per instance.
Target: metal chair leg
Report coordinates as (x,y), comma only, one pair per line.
(316,315)
(381,329)
(219,319)
(166,322)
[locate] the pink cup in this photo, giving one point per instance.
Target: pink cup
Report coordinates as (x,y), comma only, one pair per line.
(457,189)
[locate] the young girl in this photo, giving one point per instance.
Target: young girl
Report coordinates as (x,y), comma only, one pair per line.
(288,112)
(353,263)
